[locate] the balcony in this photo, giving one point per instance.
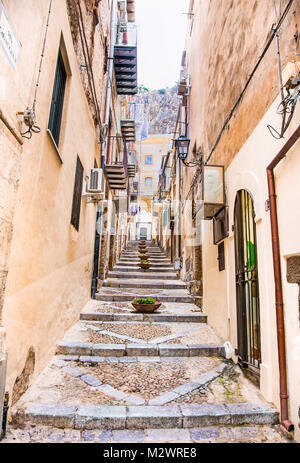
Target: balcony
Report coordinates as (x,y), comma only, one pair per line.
(128,121)
(132,163)
(125,59)
(116,176)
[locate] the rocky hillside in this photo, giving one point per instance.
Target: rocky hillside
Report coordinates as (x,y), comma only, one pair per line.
(161,107)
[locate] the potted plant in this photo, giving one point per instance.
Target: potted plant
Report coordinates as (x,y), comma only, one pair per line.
(145,264)
(145,304)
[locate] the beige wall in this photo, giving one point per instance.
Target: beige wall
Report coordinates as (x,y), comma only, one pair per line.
(223,44)
(50,262)
(248,171)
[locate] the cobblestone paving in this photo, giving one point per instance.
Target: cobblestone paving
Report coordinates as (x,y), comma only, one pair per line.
(147,366)
(218,434)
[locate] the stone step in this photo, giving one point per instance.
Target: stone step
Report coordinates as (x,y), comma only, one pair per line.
(168,272)
(152,317)
(139,350)
(133,263)
(113,417)
(151,250)
(128,297)
(151,259)
(122,272)
(143,283)
(155,255)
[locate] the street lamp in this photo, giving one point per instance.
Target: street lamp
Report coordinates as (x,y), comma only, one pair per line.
(182,146)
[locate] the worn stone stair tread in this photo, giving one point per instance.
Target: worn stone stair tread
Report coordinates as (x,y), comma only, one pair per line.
(158,317)
(123,273)
(144,416)
(135,269)
(143,283)
(139,350)
(132,265)
(127,298)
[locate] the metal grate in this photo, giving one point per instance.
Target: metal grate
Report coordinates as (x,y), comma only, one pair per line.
(57,99)
(247,294)
(94,180)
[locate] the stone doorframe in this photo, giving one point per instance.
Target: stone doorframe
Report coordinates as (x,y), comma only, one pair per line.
(293,274)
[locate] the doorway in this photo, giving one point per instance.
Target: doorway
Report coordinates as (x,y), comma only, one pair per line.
(247,289)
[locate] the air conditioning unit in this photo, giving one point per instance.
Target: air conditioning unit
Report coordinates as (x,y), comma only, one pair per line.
(96,181)
(95,186)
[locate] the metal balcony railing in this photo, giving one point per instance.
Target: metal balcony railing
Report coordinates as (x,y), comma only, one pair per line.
(128,111)
(125,59)
(126,35)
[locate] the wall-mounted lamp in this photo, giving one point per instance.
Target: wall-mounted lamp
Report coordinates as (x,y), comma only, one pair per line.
(182,146)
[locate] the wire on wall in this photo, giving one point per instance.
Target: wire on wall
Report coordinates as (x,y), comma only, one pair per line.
(29,117)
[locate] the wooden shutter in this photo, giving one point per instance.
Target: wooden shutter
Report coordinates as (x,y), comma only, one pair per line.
(57,99)
(77,194)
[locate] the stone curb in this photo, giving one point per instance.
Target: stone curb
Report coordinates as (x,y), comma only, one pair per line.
(138,350)
(155,317)
(145,417)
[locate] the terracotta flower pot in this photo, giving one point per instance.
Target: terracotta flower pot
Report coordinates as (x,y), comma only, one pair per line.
(145,266)
(146,308)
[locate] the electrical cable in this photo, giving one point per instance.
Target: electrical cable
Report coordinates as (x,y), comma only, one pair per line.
(274,31)
(87,59)
(29,113)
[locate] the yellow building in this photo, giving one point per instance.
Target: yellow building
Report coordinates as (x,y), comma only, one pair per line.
(59,112)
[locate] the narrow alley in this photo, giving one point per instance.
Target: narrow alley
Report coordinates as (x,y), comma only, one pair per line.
(150,223)
(142,377)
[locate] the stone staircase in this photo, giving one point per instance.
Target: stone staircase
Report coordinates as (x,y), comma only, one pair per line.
(121,371)
(127,280)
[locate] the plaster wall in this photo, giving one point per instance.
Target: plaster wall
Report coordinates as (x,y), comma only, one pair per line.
(50,262)
(224,41)
(248,171)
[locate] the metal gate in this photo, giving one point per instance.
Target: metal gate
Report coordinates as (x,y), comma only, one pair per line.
(247,291)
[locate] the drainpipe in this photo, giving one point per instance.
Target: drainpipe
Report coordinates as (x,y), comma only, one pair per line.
(278,282)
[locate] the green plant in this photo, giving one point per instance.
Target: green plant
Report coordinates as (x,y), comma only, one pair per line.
(145,300)
(144,261)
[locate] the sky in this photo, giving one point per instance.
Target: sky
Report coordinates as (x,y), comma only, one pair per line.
(161,38)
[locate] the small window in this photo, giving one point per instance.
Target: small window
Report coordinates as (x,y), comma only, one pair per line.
(221,256)
(57,99)
(77,194)
(148,181)
(148,160)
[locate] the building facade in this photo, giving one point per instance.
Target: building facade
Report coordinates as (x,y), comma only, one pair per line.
(150,155)
(61,216)
(239,223)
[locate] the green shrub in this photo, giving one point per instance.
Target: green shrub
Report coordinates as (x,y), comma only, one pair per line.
(145,300)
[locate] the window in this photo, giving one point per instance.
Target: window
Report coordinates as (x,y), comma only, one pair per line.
(148,160)
(77,194)
(221,256)
(148,181)
(57,99)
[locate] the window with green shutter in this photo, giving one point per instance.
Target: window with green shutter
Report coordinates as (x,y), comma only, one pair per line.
(77,194)
(57,99)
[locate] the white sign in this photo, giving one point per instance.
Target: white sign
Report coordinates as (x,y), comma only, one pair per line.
(8,38)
